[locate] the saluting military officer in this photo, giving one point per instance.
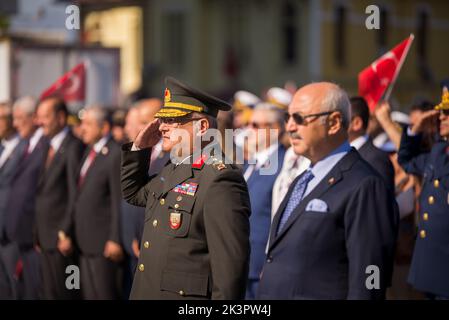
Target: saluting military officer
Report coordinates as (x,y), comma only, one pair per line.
(195,243)
(429,271)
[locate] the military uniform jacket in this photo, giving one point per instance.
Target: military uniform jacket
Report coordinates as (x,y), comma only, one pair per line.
(429,270)
(195,243)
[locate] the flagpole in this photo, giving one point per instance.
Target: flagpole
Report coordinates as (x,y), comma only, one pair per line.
(387,94)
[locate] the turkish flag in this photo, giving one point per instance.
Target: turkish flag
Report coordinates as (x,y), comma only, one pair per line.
(382,73)
(71,86)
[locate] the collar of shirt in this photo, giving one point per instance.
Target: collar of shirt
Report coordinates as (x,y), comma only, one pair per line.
(359,142)
(101,143)
(35,139)
(263,156)
(57,140)
(8,147)
(324,166)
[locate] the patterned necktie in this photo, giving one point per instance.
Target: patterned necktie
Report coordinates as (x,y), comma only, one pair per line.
(295,197)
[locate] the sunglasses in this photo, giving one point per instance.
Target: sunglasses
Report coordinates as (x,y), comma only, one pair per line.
(445,112)
(300,120)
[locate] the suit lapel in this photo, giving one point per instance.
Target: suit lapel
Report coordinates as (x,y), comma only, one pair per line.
(182,173)
(330,180)
(56,160)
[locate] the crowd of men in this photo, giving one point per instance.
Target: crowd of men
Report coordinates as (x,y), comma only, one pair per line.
(332,201)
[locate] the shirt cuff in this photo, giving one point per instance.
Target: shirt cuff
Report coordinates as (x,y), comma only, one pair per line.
(410,133)
(135,148)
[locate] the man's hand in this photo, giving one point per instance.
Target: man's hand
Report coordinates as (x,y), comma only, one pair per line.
(135,247)
(424,120)
(113,251)
(148,136)
(64,244)
(382,112)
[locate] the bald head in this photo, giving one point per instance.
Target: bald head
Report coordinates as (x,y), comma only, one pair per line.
(326,112)
(322,97)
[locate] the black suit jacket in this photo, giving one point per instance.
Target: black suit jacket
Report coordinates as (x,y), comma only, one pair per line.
(96,210)
(380,161)
(7,173)
(325,255)
(20,212)
(56,191)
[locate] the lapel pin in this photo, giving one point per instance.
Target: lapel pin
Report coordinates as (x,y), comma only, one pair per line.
(104,151)
(331,180)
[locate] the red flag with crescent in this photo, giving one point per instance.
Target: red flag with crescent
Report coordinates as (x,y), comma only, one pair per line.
(382,73)
(71,86)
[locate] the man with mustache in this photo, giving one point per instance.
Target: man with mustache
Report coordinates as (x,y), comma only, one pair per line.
(195,243)
(430,263)
(337,225)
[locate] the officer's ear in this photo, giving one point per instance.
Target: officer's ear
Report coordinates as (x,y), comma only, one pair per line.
(201,126)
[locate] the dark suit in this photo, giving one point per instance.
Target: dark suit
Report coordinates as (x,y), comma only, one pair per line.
(260,187)
(380,161)
(96,215)
(324,255)
(430,263)
(20,218)
(56,191)
(7,173)
(195,243)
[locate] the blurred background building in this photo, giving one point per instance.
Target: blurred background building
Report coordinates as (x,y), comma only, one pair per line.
(225,45)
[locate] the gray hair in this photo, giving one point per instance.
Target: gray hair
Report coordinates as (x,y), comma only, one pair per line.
(27,104)
(337,99)
(213,124)
(279,114)
(100,113)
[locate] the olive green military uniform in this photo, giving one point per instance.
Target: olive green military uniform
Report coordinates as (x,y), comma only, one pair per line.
(195,243)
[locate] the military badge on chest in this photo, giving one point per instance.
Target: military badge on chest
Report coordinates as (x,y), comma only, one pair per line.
(175,220)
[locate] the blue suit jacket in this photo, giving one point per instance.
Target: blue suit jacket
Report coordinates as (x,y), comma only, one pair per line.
(260,189)
(324,255)
(7,172)
(429,270)
(20,212)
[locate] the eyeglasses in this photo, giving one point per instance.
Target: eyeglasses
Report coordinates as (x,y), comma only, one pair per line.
(300,119)
(177,120)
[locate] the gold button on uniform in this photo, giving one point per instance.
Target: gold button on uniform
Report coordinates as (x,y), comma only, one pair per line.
(141,267)
(422,234)
(436,183)
(179,198)
(425,216)
(155,223)
(176,206)
(162,201)
(146,245)
(431,200)
(182,293)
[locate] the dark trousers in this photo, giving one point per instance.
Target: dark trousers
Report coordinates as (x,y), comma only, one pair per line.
(23,271)
(100,278)
(53,266)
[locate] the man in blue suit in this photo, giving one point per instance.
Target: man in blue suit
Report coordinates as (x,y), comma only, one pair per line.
(11,150)
(429,270)
(260,176)
(18,233)
(333,236)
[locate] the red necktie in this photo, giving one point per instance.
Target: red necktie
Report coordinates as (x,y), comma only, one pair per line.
(90,159)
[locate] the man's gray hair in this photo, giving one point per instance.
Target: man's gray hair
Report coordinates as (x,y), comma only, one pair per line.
(337,99)
(101,114)
(27,104)
(279,114)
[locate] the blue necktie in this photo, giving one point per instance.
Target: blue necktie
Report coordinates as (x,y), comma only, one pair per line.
(295,197)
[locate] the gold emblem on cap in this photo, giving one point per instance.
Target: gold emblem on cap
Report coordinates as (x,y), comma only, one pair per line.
(167,95)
